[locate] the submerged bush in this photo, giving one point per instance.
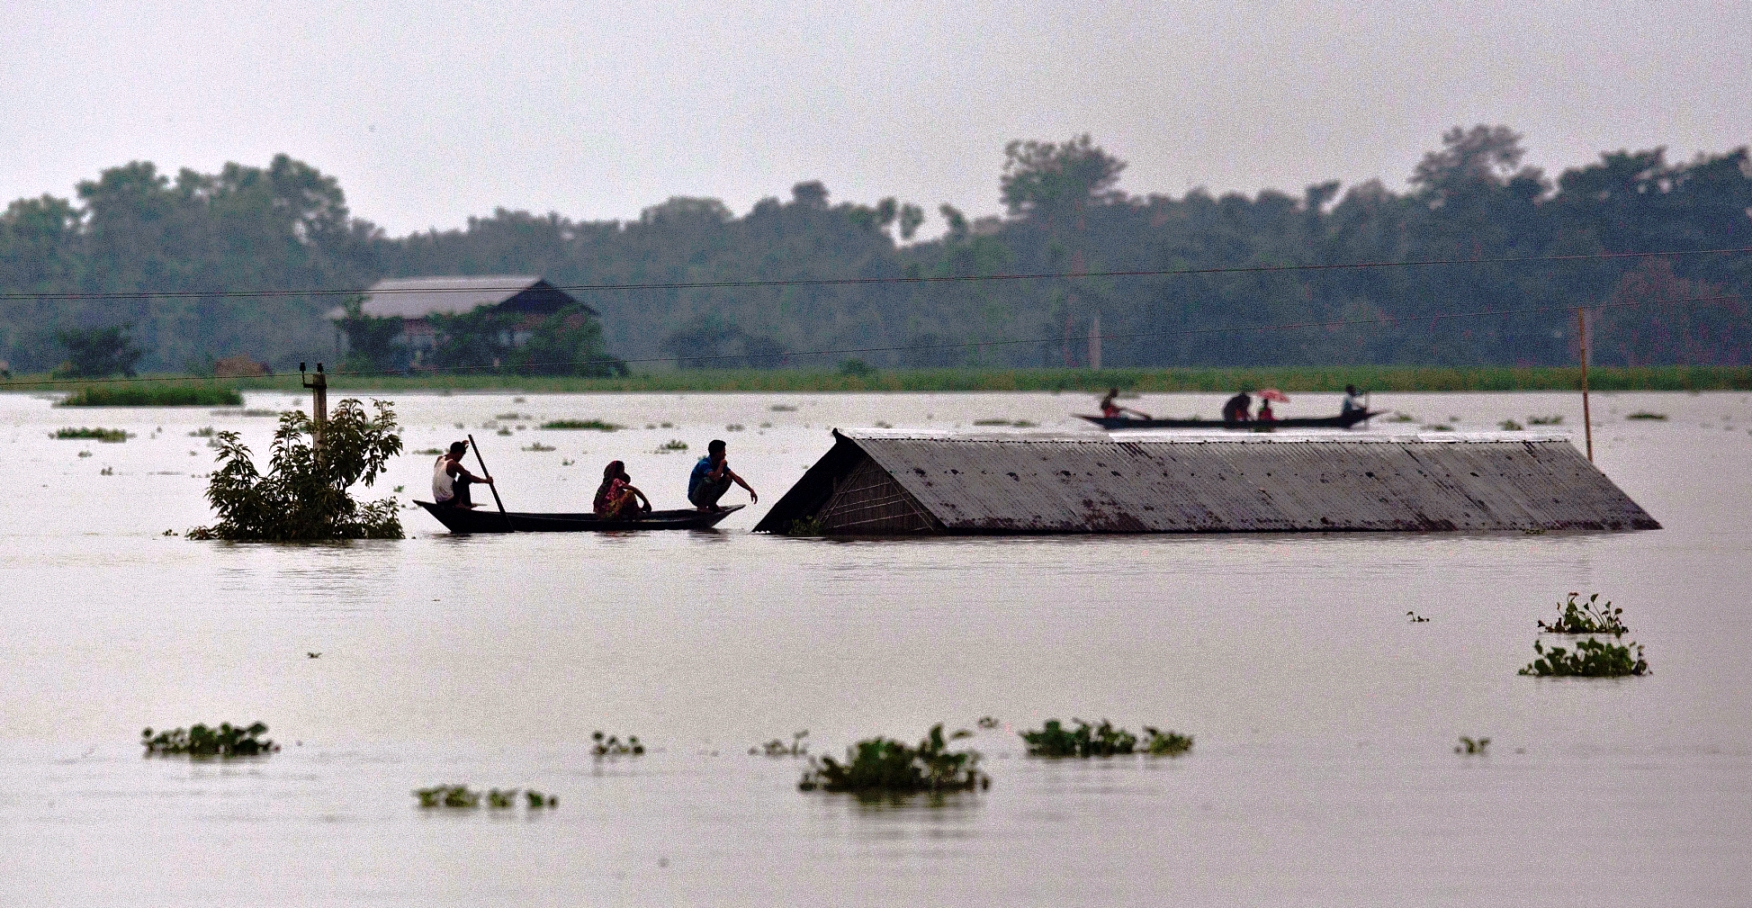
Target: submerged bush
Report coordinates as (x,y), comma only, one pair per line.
(878,766)
(1591,659)
(1589,617)
(304,494)
(200,741)
(806,526)
(1055,740)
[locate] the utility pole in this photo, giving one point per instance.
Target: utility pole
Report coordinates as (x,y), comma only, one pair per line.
(1587,420)
(318,385)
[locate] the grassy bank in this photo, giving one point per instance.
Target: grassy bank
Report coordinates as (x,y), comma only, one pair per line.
(1290,379)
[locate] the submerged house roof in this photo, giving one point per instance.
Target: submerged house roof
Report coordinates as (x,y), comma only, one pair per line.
(896,482)
(418,297)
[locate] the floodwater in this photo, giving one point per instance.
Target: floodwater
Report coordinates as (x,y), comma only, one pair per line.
(1325,721)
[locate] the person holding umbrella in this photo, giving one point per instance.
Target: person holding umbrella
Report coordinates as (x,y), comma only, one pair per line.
(1265,398)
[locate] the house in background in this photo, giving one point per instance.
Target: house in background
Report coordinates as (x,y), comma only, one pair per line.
(414,299)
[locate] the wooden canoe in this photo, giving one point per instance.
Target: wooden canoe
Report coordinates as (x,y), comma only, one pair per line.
(488,520)
(1323,422)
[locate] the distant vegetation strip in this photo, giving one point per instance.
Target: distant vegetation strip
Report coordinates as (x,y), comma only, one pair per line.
(151,394)
(172,390)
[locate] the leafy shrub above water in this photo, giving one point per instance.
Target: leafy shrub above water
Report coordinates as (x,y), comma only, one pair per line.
(304,495)
(1055,740)
(1591,659)
(879,766)
(1589,617)
(200,741)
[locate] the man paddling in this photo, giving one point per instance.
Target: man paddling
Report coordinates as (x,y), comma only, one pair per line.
(450,479)
(711,479)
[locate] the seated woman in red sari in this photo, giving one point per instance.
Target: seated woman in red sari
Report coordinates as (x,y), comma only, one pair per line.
(616,498)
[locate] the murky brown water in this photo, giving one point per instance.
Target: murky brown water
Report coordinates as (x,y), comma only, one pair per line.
(1323,772)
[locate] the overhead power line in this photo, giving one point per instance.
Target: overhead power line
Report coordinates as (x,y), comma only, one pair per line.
(873,281)
(848,351)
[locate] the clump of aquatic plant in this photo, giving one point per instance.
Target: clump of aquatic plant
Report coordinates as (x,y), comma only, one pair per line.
(203,432)
(1158,743)
(879,766)
(612,746)
(1086,740)
(1590,617)
(674,444)
(806,526)
(1438,427)
(991,422)
(987,722)
(503,430)
(1545,420)
(735,427)
(513,417)
(1472,746)
(305,493)
(1509,425)
(1416,618)
(108,436)
(1591,659)
(201,741)
(1401,417)
(432,451)
(594,425)
(461,797)
(1646,415)
(778,748)
(538,446)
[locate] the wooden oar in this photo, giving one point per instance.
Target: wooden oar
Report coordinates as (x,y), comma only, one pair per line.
(488,474)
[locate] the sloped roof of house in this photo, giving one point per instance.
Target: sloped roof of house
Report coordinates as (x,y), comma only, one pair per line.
(418,297)
(1043,483)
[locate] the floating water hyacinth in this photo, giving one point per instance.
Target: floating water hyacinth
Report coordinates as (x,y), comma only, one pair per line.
(1590,659)
(1472,746)
(1086,740)
(107,436)
(882,766)
(612,746)
(1159,743)
(200,741)
(1591,617)
(594,425)
(778,748)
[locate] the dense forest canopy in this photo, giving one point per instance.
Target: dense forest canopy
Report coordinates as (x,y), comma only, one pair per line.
(287,227)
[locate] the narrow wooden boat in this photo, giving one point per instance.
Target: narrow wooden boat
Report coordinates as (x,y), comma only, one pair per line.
(489,520)
(1323,422)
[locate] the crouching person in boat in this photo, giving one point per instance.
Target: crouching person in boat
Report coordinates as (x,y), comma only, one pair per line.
(712,477)
(1111,409)
(450,479)
(617,498)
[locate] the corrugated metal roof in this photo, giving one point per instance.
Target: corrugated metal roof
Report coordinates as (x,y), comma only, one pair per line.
(1245,483)
(418,297)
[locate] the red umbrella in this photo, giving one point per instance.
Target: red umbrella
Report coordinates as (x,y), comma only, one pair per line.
(1274,394)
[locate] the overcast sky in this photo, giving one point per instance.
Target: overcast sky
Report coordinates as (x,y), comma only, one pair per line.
(429,112)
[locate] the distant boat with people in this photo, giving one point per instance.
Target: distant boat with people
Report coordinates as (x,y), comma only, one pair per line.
(1343,421)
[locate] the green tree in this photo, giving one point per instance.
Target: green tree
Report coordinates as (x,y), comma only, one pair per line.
(305,493)
(98,352)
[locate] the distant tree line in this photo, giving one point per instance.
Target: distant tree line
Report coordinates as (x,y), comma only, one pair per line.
(287,227)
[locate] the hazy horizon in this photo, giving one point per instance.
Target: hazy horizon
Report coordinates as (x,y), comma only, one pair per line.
(428,115)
